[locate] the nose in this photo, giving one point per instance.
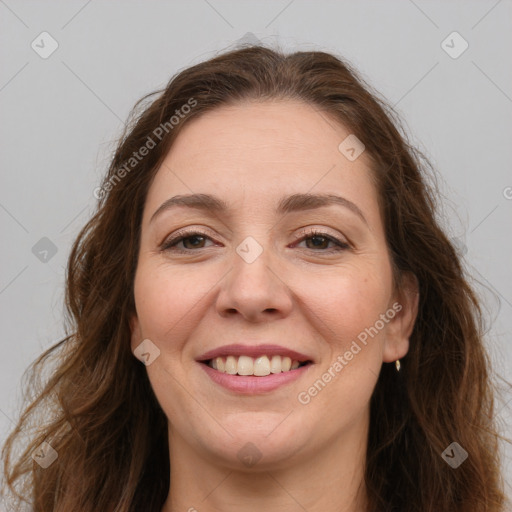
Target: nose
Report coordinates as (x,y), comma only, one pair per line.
(257,290)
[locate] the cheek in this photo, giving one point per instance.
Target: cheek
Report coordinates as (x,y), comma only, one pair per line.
(344,302)
(168,303)
(347,308)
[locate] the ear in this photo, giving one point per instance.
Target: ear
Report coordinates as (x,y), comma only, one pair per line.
(400,327)
(136,333)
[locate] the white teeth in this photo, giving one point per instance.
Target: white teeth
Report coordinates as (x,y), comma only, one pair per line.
(260,366)
(245,365)
(219,362)
(231,365)
(275,364)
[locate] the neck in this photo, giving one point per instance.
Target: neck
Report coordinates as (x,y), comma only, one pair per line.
(329,479)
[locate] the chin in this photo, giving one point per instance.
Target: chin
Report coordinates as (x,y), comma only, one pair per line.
(254,448)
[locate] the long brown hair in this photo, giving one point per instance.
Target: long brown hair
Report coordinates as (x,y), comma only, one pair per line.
(97,410)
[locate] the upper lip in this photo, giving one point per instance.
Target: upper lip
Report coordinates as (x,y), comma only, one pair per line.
(253,351)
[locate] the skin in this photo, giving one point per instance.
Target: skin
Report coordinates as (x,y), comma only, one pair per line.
(307,297)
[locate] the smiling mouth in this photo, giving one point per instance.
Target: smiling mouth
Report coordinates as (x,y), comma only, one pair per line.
(255,366)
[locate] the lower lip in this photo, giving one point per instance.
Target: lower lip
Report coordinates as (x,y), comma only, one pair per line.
(251,385)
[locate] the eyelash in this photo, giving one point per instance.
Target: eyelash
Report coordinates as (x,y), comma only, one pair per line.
(182,235)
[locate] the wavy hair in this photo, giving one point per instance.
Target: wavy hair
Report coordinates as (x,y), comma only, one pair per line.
(97,409)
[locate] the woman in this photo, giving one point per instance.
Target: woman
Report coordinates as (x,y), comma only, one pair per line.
(265,314)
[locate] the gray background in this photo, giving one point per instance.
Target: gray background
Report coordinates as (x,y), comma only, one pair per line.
(61,115)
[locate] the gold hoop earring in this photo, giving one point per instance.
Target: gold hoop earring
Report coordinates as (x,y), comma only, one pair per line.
(397,365)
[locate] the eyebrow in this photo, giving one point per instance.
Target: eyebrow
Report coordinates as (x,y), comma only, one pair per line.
(288,204)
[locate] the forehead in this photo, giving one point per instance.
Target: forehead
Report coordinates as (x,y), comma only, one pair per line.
(282,131)
(263,150)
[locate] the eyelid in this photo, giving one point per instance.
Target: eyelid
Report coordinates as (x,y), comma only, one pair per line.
(341,243)
(178,235)
(319,231)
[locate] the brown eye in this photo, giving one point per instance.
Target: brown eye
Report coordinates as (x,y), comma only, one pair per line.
(194,244)
(318,241)
(192,240)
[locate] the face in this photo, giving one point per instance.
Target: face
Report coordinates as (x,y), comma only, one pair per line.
(278,278)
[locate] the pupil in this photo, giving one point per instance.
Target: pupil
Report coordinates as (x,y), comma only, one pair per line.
(317,238)
(196,237)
